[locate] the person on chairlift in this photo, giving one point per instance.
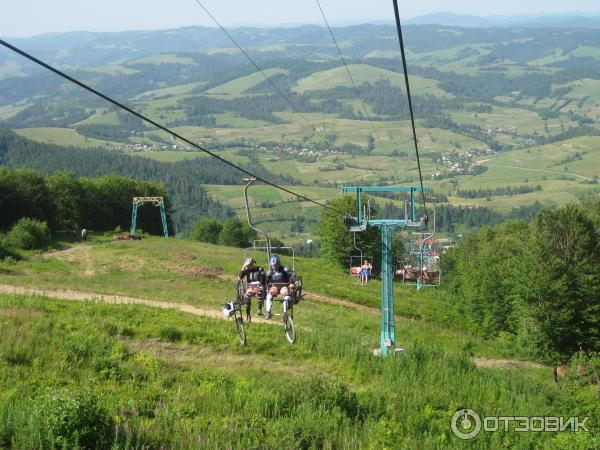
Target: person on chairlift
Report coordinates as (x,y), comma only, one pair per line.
(365,273)
(255,281)
(281,280)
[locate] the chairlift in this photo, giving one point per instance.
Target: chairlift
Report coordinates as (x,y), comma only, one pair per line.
(249,182)
(356,261)
(421,265)
(259,246)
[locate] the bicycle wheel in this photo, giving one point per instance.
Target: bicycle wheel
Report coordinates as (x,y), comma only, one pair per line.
(290,329)
(239,324)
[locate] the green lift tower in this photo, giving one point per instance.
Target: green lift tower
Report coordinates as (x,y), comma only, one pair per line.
(387,227)
(156,201)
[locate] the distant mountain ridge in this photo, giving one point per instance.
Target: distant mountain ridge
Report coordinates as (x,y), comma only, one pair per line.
(75,50)
(570,20)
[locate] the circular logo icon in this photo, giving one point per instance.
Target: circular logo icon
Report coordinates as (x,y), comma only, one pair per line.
(465,424)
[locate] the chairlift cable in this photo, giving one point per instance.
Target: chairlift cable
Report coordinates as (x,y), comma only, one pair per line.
(255,64)
(157,125)
(364,107)
(410,107)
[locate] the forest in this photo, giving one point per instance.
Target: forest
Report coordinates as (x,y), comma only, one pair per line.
(182,179)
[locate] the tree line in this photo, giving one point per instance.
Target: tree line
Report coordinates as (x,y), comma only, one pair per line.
(182,179)
(536,283)
(500,191)
(67,203)
(449,217)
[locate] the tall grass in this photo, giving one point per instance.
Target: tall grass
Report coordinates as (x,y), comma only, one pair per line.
(71,371)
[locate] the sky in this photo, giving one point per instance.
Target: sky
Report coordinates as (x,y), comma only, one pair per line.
(31,17)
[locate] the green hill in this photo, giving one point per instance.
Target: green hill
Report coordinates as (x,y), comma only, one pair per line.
(148,376)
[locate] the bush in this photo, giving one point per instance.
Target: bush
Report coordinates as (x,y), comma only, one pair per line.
(170,333)
(207,230)
(236,234)
(5,250)
(28,234)
(67,420)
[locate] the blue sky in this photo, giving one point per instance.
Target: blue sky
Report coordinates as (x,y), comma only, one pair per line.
(31,17)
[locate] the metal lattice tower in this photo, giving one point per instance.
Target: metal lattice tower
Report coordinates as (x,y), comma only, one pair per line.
(156,201)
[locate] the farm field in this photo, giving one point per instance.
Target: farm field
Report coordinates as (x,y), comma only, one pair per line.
(539,118)
(65,137)
(365,73)
(237,87)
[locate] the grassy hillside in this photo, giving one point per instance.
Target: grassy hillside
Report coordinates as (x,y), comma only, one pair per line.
(362,73)
(133,376)
(239,86)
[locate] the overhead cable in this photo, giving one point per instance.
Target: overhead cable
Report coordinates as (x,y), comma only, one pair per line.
(255,64)
(157,125)
(410,107)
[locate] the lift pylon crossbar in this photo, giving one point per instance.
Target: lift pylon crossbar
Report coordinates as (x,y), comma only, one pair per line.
(154,200)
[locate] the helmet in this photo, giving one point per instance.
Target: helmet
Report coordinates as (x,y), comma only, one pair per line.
(249,261)
(275,261)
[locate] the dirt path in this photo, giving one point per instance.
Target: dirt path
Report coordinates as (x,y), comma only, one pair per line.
(67,294)
(77,253)
(119,300)
(339,302)
(510,363)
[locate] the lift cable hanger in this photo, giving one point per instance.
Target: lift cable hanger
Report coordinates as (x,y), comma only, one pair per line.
(157,125)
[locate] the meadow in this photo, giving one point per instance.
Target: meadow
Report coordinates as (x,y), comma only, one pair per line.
(79,374)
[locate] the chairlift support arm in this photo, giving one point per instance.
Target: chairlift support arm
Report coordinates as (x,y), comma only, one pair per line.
(249,182)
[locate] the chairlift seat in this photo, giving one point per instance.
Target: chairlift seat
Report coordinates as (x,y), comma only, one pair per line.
(279,286)
(355,271)
(295,291)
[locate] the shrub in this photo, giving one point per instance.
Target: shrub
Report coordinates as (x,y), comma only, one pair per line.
(6,252)
(236,234)
(170,333)
(62,419)
(29,234)
(207,230)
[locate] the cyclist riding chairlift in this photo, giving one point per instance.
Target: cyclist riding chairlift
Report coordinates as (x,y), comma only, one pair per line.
(277,274)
